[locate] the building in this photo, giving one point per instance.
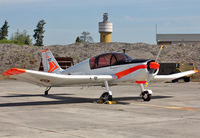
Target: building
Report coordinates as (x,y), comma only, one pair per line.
(168,39)
(105,29)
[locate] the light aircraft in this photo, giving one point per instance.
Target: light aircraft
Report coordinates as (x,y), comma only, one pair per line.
(105,69)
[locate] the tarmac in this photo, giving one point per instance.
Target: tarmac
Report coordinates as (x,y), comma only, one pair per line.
(72,112)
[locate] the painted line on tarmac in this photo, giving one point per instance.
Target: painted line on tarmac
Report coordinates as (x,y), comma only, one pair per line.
(168,107)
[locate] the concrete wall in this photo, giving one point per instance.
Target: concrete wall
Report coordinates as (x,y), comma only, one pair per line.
(178,38)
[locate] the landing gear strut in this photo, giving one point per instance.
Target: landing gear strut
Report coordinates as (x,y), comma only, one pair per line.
(46,92)
(106,96)
(145,94)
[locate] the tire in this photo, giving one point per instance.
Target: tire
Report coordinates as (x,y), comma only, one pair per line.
(106,97)
(187,79)
(146,96)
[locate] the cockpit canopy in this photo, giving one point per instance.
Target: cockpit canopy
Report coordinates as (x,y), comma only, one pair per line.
(109,59)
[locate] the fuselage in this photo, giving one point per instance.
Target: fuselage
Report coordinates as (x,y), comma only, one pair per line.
(119,64)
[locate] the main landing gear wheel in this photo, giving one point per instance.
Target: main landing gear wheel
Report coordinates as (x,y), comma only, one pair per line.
(105,97)
(146,96)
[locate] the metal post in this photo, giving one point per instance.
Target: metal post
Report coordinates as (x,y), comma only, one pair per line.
(142,87)
(106,85)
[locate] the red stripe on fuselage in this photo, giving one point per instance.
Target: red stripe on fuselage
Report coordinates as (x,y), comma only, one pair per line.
(130,70)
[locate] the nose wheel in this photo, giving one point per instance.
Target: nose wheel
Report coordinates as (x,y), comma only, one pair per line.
(146,95)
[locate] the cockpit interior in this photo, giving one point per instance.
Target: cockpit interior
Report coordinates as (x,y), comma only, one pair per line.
(112,59)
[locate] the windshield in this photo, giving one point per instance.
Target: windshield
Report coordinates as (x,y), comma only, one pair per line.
(109,59)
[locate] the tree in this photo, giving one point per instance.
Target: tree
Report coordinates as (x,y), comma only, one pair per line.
(4,31)
(39,31)
(86,38)
(78,40)
(21,38)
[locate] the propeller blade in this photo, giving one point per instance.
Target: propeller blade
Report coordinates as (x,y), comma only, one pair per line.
(161,47)
(153,66)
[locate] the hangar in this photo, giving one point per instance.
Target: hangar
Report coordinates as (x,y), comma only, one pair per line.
(168,39)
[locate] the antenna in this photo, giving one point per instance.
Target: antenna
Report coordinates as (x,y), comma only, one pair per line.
(156,32)
(156,29)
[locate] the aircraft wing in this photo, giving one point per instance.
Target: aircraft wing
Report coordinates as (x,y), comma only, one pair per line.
(174,76)
(56,80)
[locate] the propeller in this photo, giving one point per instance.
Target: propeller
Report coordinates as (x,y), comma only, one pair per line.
(153,66)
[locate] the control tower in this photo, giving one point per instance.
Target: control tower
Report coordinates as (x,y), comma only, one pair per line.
(105,29)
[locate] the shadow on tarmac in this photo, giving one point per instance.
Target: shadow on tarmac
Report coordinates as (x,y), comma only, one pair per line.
(61,99)
(33,95)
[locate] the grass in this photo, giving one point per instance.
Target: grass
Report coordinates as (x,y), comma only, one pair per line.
(5,41)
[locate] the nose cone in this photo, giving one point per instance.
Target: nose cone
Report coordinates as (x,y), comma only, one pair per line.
(154,65)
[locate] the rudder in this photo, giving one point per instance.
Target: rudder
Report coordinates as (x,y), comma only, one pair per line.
(49,62)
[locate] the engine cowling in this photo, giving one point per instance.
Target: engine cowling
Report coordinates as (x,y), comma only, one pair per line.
(153,65)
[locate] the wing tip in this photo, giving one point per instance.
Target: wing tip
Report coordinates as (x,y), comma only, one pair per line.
(196,71)
(45,50)
(14,71)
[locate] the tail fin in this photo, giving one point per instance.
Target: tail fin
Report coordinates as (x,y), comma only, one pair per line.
(49,62)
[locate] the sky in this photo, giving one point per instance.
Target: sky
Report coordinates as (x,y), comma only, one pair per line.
(133,20)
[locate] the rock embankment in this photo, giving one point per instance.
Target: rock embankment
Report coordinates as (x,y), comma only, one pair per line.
(29,57)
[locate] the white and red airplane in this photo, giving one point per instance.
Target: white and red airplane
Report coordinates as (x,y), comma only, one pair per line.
(107,69)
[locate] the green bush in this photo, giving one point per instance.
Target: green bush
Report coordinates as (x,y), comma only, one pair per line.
(18,38)
(5,41)
(21,38)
